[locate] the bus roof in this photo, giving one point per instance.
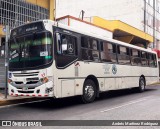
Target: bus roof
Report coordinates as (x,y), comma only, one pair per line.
(63,26)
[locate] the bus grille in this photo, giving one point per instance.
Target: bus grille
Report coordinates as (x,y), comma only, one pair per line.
(25,74)
(26,92)
(29,81)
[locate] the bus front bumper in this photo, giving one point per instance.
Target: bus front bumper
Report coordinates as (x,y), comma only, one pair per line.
(44,90)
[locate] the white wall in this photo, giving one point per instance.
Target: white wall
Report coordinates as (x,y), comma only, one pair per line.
(128,11)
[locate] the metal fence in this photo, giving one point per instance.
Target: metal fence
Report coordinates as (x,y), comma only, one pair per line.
(18,12)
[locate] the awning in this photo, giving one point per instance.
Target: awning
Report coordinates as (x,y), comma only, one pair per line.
(123,32)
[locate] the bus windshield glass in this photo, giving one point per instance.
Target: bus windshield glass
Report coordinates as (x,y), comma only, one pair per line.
(30,51)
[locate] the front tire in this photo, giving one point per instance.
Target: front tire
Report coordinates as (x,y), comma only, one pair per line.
(142,84)
(89,91)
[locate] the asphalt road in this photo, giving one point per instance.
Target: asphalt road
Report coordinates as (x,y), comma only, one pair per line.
(113,105)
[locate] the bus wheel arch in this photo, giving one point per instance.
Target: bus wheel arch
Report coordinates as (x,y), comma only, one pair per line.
(90,84)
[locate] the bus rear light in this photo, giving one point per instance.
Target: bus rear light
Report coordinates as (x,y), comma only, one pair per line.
(39,95)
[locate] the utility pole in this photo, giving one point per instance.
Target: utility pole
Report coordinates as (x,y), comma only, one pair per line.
(145,8)
(6,59)
(154,23)
(83,14)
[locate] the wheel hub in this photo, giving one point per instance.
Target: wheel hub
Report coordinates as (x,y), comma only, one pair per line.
(89,92)
(142,84)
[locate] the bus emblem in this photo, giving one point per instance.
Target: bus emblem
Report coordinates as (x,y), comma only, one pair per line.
(70,48)
(24,88)
(114,69)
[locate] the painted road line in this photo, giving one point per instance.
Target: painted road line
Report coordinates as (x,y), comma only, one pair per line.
(129,103)
(23,103)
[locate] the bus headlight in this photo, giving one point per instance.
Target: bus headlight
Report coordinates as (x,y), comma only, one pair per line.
(46,79)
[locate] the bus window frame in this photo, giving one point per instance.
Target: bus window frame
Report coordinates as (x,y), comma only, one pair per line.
(139,57)
(146,53)
(61,55)
(108,42)
(89,38)
(152,59)
(119,53)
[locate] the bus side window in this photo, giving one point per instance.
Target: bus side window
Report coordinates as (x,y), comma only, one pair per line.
(144,58)
(135,57)
(152,60)
(66,47)
(123,55)
(66,44)
(89,47)
(108,52)
(155,60)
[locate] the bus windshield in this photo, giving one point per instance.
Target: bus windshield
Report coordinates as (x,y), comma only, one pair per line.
(30,51)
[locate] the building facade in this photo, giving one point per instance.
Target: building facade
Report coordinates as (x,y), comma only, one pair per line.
(18,12)
(141,14)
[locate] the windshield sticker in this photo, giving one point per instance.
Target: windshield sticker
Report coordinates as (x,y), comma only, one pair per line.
(15,55)
(45,53)
(14,52)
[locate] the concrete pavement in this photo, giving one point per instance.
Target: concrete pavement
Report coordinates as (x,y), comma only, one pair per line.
(114,105)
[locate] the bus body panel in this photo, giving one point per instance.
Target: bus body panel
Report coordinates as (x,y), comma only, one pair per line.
(69,81)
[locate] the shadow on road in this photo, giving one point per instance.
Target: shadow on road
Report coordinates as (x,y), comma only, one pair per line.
(56,104)
(124,92)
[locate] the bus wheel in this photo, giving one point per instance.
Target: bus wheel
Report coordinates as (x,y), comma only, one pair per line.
(89,91)
(142,84)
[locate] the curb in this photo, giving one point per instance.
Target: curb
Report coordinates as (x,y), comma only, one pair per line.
(155,84)
(15,100)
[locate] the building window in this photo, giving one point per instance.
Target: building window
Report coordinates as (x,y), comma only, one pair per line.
(17,12)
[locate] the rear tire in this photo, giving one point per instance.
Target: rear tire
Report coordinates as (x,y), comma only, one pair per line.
(89,91)
(142,84)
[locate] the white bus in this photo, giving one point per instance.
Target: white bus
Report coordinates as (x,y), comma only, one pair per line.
(48,59)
